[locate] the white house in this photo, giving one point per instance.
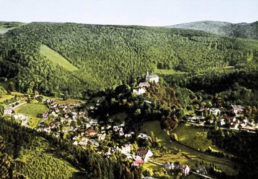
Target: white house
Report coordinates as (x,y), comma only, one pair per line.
(84,141)
(237,109)
(101,136)
(144,154)
(185,169)
(8,111)
(144,136)
(215,111)
(169,166)
(152,78)
(139,91)
(144,85)
(126,149)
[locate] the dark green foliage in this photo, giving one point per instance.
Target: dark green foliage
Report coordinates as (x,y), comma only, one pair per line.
(111,55)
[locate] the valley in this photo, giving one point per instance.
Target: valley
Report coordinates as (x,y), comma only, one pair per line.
(107,101)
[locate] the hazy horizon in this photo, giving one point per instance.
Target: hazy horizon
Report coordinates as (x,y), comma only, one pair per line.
(134,12)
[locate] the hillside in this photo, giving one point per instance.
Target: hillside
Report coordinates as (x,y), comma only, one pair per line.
(6,26)
(242,30)
(69,59)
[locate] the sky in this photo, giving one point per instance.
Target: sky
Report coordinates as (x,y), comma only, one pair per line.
(129,12)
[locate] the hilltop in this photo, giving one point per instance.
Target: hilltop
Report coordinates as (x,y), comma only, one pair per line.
(243,30)
(67,59)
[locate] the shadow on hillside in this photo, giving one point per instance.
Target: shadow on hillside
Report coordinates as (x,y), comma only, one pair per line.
(79,175)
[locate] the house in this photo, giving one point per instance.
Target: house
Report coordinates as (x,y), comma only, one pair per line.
(121,132)
(45,115)
(185,170)
(101,136)
(237,109)
(8,111)
(169,166)
(93,121)
(215,111)
(147,101)
(91,132)
(115,128)
(84,141)
(139,91)
(144,85)
(234,126)
(126,149)
(108,153)
(152,78)
(222,122)
(75,143)
(144,136)
(122,124)
(137,162)
(144,154)
(202,170)
(128,135)
(94,143)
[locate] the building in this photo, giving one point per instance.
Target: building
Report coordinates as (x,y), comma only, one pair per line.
(152,78)
(126,149)
(144,136)
(185,170)
(91,132)
(215,111)
(144,154)
(139,91)
(144,85)
(8,111)
(237,109)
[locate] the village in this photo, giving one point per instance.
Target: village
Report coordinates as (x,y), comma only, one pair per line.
(72,122)
(231,118)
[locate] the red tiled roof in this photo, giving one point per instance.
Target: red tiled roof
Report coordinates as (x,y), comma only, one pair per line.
(90,131)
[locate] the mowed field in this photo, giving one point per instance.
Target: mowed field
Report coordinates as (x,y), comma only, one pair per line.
(194,137)
(56,58)
(183,154)
(32,110)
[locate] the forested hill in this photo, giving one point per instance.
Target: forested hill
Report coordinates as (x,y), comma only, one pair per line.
(68,59)
(243,30)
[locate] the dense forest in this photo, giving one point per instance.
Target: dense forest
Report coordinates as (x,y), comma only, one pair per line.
(97,57)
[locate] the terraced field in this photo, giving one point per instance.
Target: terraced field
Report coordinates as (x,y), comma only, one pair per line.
(184,153)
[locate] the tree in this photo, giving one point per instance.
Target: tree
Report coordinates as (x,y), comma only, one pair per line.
(11,87)
(1,110)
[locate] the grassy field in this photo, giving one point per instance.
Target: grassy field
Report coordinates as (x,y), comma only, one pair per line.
(56,58)
(184,154)
(32,110)
(167,72)
(5,97)
(194,137)
(68,101)
(41,164)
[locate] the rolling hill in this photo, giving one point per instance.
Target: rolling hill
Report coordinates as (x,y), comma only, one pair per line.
(242,30)
(67,59)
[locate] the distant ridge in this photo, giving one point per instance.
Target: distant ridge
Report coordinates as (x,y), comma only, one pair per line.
(242,30)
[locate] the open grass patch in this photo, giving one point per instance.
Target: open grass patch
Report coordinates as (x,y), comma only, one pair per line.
(167,72)
(32,110)
(184,154)
(56,58)
(194,137)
